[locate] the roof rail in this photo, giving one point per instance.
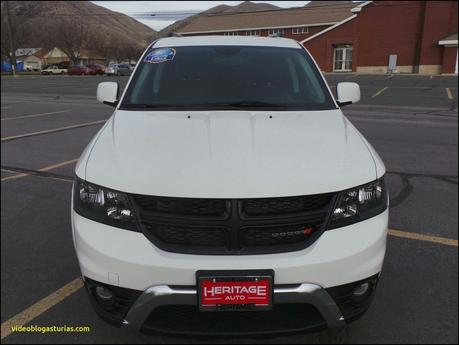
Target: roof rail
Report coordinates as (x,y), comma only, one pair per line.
(174,34)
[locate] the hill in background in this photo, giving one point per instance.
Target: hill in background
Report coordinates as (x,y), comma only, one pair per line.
(38,13)
(246,6)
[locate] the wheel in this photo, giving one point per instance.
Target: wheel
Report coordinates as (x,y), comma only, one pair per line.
(118,73)
(335,335)
(62,72)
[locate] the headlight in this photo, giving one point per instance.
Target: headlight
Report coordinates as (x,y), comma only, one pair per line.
(360,203)
(103,205)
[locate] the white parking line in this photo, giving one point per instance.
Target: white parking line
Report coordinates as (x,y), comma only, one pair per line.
(13,137)
(35,115)
(380,91)
(41,306)
(75,86)
(421,237)
(448,93)
(47,168)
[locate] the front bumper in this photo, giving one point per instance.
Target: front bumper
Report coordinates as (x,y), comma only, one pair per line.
(128,259)
(320,276)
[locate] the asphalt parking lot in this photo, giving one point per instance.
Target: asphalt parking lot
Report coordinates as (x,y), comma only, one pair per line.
(412,121)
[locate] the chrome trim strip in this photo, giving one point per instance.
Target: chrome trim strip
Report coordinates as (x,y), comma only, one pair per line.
(159,295)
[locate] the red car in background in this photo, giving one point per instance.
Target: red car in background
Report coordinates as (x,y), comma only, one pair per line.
(96,69)
(78,70)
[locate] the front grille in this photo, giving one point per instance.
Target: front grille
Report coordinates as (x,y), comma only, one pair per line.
(182,206)
(187,235)
(233,226)
(284,206)
(184,319)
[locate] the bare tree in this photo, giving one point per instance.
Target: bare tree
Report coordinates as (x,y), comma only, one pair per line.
(103,45)
(71,35)
(126,49)
(15,30)
(5,42)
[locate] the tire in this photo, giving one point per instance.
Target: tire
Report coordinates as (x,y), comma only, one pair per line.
(335,335)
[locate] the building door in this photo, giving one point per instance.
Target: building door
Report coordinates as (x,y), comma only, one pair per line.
(342,58)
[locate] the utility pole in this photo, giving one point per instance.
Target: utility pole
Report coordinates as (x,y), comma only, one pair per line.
(11,39)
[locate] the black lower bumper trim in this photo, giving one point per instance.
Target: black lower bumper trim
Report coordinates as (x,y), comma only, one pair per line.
(187,320)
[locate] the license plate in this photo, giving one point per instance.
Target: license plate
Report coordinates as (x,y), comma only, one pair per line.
(235,291)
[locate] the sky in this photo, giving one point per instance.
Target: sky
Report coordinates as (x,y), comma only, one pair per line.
(167,12)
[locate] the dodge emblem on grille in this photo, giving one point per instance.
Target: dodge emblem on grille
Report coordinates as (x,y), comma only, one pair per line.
(306,231)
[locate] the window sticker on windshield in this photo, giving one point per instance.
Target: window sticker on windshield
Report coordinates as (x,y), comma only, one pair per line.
(160,55)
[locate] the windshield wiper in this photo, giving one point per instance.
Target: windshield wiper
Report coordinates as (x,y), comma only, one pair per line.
(215,105)
(255,104)
(145,106)
(238,104)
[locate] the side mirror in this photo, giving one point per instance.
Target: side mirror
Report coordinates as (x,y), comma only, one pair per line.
(107,93)
(347,93)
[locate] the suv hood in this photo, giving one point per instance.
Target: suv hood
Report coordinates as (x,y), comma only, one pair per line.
(228,154)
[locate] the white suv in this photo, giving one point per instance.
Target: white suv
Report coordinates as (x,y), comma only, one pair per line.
(228,179)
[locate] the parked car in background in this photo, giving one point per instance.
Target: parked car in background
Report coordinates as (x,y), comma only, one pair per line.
(30,66)
(111,69)
(79,70)
(96,69)
(119,69)
(53,70)
(124,69)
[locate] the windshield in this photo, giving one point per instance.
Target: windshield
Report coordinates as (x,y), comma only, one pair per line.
(227,77)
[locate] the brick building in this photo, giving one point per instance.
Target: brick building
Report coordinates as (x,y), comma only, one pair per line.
(367,37)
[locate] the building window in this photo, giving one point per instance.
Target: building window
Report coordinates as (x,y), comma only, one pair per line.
(231,33)
(253,33)
(342,58)
(275,31)
(301,30)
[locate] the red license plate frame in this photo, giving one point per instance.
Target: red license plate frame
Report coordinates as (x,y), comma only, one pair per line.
(235,290)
